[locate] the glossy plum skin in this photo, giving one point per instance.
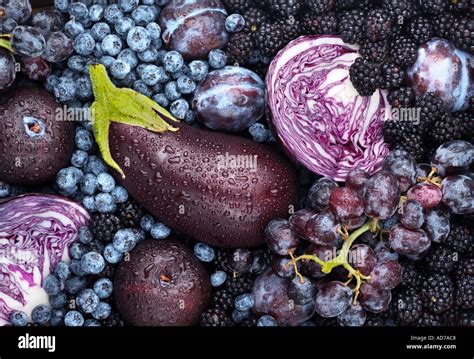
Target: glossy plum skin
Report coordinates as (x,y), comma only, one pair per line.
(230,99)
(190,181)
(8,73)
(163,284)
(194,27)
(34,145)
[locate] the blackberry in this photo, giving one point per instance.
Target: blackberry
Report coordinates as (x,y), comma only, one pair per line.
(284,8)
(415,146)
(464,268)
(271,38)
(409,306)
(130,214)
(240,48)
(403,51)
(464,292)
(442,25)
(375,320)
(365,76)
(461,238)
(113,320)
(350,4)
(432,6)
(222,260)
(466,318)
(420,30)
(222,300)
(237,6)
(239,284)
(460,6)
(446,128)
(402,97)
(461,34)
(249,322)
(378,25)
(466,121)
(400,9)
(395,132)
(320,24)
(374,51)
(411,278)
(104,226)
(392,76)
(451,317)
(440,260)
(215,318)
(318,7)
(324,322)
(431,107)
(428,319)
(437,293)
(351,26)
(254,19)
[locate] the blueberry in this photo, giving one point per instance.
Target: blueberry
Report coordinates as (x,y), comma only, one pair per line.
(141,87)
(149,55)
(112,14)
(79,158)
(51,285)
(89,184)
(198,70)
(218,278)
(129,56)
(84,140)
(107,61)
(120,69)
(127,5)
(62,270)
(217,59)
(100,30)
(258,132)
(103,288)
(75,284)
(67,178)
(92,263)
(173,61)
(126,239)
(87,300)
(123,26)
(73,318)
(163,76)
(147,222)
(95,165)
(179,108)
(85,235)
(244,302)
(89,203)
(138,39)
(58,301)
(143,15)
(5,189)
(65,90)
(112,255)
(19,319)
(73,28)
(79,11)
(91,323)
(111,45)
(154,30)
(41,314)
(266,321)
(160,231)
(76,268)
(98,52)
(84,88)
(150,75)
(104,202)
(204,253)
(158,88)
(234,23)
(185,85)
(190,117)
(102,311)
(119,194)
(62,5)
(160,99)
(57,317)
(96,246)
(96,12)
(84,44)
(171,91)
(105,182)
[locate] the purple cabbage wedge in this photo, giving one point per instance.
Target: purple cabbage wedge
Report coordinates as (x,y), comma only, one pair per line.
(36,232)
(316,113)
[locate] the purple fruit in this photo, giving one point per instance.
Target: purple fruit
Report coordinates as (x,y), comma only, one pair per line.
(163,284)
(408,242)
(35,68)
(194,28)
(458,194)
(231,99)
(7,66)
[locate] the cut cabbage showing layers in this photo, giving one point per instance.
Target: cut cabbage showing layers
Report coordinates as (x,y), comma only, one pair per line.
(36,232)
(318,116)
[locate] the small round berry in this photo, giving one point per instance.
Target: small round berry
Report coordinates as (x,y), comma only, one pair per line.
(217,59)
(19,319)
(218,278)
(204,253)
(173,61)
(234,23)
(160,231)
(179,108)
(92,263)
(73,318)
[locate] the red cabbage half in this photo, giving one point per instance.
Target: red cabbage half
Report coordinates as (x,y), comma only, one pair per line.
(36,232)
(318,116)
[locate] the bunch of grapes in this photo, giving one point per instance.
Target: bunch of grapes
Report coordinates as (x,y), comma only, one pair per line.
(344,255)
(37,42)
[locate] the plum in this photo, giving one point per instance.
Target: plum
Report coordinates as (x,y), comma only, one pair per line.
(34,144)
(194,28)
(163,284)
(446,71)
(230,99)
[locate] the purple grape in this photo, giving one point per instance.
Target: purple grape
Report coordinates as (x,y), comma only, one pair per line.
(454,157)
(374,300)
(386,275)
(48,21)
(7,66)
(333,299)
(362,258)
(35,68)
(345,204)
(354,316)
(428,195)
(302,292)
(299,219)
(413,215)
(280,237)
(28,41)
(322,229)
(458,194)
(319,193)
(283,267)
(437,225)
(383,252)
(325,253)
(403,166)
(356,180)
(58,47)
(356,222)
(382,195)
(408,242)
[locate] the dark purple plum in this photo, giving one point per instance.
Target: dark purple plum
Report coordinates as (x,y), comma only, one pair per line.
(163,284)
(230,99)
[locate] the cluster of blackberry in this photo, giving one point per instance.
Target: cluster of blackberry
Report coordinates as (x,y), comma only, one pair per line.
(389,33)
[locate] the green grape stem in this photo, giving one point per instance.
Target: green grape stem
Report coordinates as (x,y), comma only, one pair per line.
(5,42)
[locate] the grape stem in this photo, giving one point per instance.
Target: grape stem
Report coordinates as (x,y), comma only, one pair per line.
(5,42)
(432,178)
(342,258)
